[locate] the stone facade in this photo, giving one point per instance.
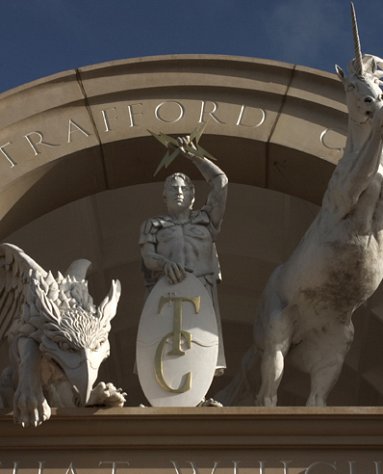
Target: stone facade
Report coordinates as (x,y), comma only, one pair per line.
(76,170)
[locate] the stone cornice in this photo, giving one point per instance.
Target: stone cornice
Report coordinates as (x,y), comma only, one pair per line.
(356,428)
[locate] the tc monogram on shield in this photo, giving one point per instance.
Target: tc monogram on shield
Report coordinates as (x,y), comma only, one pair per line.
(177,343)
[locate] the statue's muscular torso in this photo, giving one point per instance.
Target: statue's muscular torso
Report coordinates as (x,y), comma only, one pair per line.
(189,244)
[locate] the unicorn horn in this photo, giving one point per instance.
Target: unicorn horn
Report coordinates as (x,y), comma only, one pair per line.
(358,63)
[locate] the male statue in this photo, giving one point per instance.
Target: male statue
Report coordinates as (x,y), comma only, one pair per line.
(183,239)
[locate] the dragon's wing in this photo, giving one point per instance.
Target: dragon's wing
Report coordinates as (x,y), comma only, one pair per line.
(16,267)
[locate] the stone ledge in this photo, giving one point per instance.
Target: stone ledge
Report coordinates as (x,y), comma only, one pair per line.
(357,428)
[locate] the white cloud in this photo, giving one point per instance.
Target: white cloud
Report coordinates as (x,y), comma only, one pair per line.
(305,29)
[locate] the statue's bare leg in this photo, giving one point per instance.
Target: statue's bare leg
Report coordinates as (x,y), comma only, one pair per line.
(276,345)
(325,356)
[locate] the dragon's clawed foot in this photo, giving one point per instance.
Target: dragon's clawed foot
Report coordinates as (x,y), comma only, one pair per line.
(106,394)
(30,408)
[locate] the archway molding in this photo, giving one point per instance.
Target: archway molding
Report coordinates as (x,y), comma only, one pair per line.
(81,132)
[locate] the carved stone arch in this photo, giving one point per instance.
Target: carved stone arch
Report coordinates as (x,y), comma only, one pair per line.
(81,132)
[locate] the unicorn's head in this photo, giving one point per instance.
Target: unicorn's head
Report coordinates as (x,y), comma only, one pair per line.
(363,84)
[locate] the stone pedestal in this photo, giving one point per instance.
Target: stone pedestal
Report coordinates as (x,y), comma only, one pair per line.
(197,441)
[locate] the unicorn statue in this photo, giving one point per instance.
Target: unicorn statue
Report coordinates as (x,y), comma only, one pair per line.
(307,305)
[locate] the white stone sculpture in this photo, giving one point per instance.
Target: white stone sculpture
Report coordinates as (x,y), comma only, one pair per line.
(308,302)
(177,343)
(57,338)
(182,241)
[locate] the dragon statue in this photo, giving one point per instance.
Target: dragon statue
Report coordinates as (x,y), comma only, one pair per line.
(306,308)
(57,338)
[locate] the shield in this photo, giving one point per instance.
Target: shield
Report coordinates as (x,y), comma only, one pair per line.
(177,343)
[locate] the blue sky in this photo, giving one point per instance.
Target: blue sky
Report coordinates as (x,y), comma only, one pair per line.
(42,37)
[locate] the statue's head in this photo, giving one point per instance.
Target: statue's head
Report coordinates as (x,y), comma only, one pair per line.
(363,84)
(179,192)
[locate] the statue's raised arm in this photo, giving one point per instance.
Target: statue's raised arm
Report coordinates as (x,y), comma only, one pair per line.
(216,202)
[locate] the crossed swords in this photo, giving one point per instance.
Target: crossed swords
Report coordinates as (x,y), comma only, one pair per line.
(176,146)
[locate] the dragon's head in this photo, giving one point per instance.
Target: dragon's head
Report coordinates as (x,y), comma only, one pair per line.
(74,332)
